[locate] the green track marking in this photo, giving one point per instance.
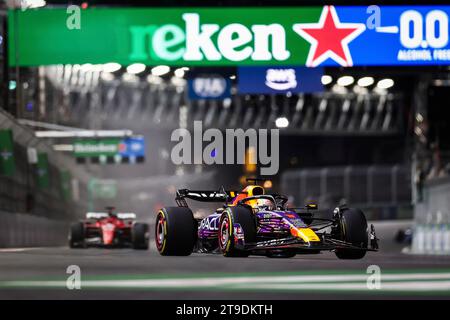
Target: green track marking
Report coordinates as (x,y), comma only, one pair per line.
(423,282)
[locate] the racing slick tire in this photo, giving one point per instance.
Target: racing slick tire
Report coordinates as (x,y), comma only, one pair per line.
(139,236)
(175,231)
(353,230)
(76,236)
(236,215)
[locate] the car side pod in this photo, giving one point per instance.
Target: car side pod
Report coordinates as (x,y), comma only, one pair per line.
(306,234)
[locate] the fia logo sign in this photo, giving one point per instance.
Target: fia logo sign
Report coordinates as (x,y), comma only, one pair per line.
(209,86)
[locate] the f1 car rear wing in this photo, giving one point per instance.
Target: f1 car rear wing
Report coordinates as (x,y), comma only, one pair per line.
(96,215)
(126,215)
(203,196)
(101,215)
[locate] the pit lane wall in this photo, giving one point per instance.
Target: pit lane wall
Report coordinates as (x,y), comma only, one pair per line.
(431,234)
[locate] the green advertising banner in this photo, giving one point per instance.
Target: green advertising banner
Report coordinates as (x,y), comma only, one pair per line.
(296,36)
(154,36)
(96,148)
(43,177)
(66,188)
(7,164)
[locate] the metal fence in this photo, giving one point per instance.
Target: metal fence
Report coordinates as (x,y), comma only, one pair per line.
(371,187)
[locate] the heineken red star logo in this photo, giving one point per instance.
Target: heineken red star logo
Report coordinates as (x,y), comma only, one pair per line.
(329,38)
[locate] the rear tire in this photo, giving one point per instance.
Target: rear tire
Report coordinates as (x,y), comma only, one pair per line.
(76,236)
(245,218)
(353,230)
(175,231)
(140,236)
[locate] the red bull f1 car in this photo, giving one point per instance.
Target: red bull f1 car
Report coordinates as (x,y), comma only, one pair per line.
(253,222)
(109,229)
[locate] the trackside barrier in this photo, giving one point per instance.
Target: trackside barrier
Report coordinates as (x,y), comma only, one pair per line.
(431,239)
(432,219)
(24,230)
(383,192)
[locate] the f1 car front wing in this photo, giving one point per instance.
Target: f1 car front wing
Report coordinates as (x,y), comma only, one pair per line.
(327,244)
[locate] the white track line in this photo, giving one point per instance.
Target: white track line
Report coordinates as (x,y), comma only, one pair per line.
(408,282)
(9,250)
(411,286)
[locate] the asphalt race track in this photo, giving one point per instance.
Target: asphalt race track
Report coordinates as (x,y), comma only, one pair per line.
(40,273)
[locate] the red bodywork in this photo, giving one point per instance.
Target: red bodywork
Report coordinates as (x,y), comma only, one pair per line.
(108,229)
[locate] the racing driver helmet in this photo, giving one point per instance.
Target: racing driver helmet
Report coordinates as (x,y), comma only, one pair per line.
(111,212)
(263,203)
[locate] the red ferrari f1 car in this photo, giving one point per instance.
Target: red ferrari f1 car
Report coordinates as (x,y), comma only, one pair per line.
(109,229)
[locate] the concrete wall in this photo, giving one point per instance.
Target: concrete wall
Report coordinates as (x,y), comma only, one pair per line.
(24,230)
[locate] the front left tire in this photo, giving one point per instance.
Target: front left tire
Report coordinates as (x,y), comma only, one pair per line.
(231,216)
(353,225)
